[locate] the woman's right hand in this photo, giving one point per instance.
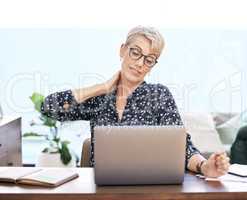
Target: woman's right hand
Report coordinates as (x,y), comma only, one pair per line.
(111,84)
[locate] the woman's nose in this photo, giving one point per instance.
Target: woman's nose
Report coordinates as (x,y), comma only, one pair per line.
(140,62)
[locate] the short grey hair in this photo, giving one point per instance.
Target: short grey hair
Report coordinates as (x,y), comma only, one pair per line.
(152,34)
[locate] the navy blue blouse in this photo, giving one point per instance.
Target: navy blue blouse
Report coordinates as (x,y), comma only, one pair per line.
(149,104)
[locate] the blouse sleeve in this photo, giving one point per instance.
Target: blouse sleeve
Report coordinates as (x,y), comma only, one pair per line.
(168,115)
(62,106)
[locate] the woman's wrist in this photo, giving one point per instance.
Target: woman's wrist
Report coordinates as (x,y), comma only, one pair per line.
(204,168)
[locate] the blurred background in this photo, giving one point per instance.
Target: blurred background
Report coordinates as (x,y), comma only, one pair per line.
(61,45)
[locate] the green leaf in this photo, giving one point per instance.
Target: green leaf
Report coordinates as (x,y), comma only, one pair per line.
(66,142)
(65,153)
(56,140)
(30,134)
(47,121)
(37,100)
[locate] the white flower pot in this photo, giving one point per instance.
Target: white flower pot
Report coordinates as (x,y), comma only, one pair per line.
(53,160)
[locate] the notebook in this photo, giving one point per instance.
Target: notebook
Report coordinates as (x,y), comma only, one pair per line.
(238,170)
(236,173)
(47,177)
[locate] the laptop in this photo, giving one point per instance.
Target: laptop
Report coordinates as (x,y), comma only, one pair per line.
(133,155)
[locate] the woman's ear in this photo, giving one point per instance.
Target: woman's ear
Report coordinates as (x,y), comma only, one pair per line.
(122,51)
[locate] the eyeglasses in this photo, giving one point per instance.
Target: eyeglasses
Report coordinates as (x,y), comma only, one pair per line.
(136,54)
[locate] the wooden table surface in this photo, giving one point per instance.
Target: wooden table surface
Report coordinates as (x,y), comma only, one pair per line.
(85,188)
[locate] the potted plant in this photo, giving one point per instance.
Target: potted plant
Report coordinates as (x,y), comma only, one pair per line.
(57,153)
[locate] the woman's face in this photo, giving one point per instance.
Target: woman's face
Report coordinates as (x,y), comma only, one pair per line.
(135,66)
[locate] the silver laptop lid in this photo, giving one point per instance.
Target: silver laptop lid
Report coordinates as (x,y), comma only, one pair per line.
(126,155)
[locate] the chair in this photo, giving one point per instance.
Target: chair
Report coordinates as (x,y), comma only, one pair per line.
(239,147)
(86,153)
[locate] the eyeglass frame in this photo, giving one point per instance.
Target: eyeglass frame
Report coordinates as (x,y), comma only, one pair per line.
(142,55)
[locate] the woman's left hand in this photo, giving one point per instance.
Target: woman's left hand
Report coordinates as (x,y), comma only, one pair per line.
(216,165)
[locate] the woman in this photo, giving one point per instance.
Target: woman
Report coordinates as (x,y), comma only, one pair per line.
(126,99)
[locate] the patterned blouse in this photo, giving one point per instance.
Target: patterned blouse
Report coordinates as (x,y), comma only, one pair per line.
(149,104)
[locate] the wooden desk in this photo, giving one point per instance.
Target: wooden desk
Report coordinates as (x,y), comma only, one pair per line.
(85,188)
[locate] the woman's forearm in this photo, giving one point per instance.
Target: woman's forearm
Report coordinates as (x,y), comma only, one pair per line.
(83,94)
(65,105)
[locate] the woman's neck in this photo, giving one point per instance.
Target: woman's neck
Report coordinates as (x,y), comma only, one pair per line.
(125,87)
